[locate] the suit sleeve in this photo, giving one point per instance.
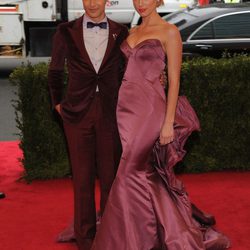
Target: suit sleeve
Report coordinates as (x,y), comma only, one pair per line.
(124,35)
(56,68)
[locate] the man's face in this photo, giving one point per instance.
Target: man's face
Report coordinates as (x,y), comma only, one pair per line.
(95,9)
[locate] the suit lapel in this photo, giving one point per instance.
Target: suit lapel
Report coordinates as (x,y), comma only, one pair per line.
(77,35)
(114,31)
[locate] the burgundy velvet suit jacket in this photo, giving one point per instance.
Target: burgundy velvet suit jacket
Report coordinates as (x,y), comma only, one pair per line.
(69,49)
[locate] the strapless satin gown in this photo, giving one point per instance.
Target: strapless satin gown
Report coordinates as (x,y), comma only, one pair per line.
(148,207)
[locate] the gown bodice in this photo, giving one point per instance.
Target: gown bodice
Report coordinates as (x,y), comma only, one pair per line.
(144,61)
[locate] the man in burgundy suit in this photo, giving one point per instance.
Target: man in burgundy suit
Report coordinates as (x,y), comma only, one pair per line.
(90,48)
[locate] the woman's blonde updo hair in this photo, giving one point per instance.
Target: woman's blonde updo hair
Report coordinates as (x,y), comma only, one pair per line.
(159,2)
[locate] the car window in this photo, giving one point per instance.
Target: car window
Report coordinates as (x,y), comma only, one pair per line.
(206,32)
(186,31)
(232,26)
(226,27)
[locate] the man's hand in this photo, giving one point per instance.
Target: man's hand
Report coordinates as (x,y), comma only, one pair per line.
(163,78)
(58,108)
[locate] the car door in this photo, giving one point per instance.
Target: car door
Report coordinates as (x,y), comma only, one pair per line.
(225,33)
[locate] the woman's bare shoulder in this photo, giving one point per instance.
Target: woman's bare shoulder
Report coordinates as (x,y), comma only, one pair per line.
(169,29)
(169,32)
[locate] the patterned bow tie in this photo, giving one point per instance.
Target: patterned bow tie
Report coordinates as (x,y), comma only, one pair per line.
(102,25)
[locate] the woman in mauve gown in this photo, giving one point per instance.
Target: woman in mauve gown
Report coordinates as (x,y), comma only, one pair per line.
(148,208)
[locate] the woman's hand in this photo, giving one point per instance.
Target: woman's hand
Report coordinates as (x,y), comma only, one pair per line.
(167,133)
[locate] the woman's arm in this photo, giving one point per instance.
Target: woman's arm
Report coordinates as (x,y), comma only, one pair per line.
(173,49)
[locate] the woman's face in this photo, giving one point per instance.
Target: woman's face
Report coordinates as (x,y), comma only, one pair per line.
(145,7)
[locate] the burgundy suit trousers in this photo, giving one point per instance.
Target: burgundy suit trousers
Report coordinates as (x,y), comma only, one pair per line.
(92,152)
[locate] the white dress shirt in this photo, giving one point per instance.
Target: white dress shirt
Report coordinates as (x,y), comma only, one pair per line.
(96,41)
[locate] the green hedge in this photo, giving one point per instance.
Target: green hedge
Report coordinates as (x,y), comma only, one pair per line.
(41,135)
(218,89)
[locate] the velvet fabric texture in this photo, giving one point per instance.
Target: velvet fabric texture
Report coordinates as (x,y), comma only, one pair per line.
(68,46)
(89,118)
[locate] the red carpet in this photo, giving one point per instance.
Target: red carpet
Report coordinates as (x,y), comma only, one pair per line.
(32,214)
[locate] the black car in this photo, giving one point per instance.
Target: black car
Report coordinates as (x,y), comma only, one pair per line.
(214,29)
